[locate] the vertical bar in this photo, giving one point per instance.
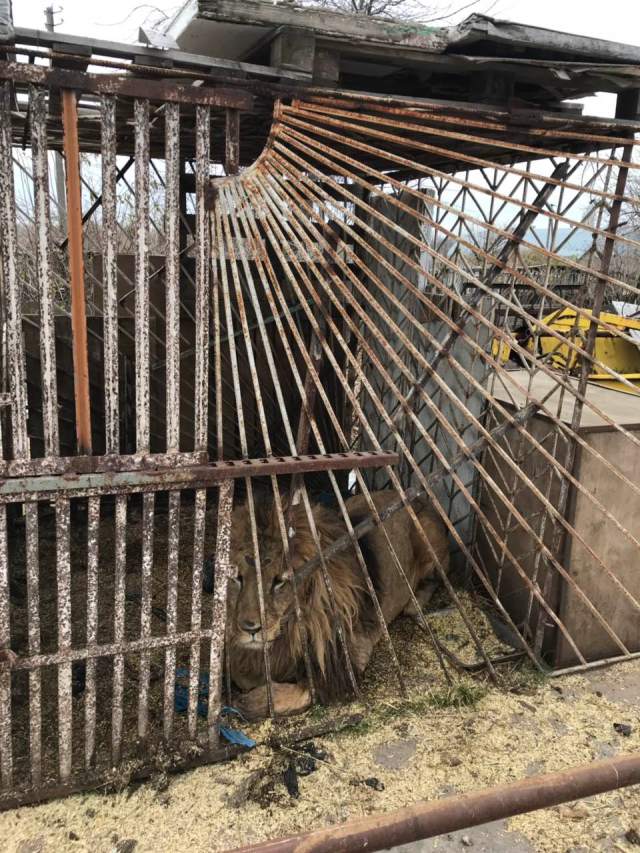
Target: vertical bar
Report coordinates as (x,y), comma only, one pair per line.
(172,266)
(222,572)
(76,272)
(64,639)
(203,234)
(232,142)
(110,274)
(148,503)
(172,610)
(118,625)
(196,607)
(20,448)
(141,119)
(33,604)
(93,534)
(43,266)
(217,343)
(11,293)
(6,752)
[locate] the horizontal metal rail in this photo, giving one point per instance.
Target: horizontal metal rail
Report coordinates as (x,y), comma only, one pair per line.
(118,84)
(76,485)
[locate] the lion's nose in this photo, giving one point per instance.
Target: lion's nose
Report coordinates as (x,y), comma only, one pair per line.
(250,627)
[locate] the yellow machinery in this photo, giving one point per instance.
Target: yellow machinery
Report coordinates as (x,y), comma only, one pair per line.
(616,353)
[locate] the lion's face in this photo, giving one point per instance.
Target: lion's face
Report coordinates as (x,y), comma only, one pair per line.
(244,619)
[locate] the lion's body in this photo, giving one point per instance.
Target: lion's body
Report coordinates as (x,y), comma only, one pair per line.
(354,609)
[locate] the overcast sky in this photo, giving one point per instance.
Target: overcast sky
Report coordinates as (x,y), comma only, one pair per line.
(618,20)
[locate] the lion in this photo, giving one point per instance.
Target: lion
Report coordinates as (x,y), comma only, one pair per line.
(354,609)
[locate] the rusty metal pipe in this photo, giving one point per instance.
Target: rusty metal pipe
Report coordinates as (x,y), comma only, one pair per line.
(76,270)
(428,819)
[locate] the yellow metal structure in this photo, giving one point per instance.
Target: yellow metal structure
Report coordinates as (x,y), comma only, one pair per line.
(616,353)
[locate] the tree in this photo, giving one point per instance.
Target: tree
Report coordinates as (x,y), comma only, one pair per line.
(405,10)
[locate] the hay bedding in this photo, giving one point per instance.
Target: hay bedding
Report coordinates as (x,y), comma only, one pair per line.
(449,741)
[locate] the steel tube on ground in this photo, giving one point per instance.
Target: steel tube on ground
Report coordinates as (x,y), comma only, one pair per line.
(428,819)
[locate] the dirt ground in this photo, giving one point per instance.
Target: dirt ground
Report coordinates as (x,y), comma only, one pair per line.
(433,743)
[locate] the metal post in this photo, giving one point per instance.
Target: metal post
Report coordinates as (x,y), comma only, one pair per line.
(76,271)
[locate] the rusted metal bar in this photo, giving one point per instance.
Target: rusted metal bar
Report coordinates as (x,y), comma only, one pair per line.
(203,251)
(6,748)
(43,266)
(466,275)
(173,526)
(114,650)
(336,367)
(232,142)
(172,264)
(361,146)
(240,416)
(219,607)
(35,488)
(120,567)
(33,604)
(495,331)
(408,142)
(103,780)
(76,272)
(237,199)
(68,466)
(146,579)
(425,124)
(126,85)
(274,283)
(196,607)
(12,296)
(428,819)
(93,534)
(110,274)
(63,578)
(141,118)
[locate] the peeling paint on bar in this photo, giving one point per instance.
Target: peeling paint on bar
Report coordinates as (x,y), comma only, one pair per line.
(6,749)
(33,607)
(38,115)
(93,544)
(222,573)
(63,577)
(21,489)
(110,274)
(173,522)
(118,626)
(172,267)
(148,506)
(11,294)
(201,379)
(141,116)
(126,85)
(196,607)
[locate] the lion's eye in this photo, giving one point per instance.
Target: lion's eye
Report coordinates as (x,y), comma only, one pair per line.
(278,583)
